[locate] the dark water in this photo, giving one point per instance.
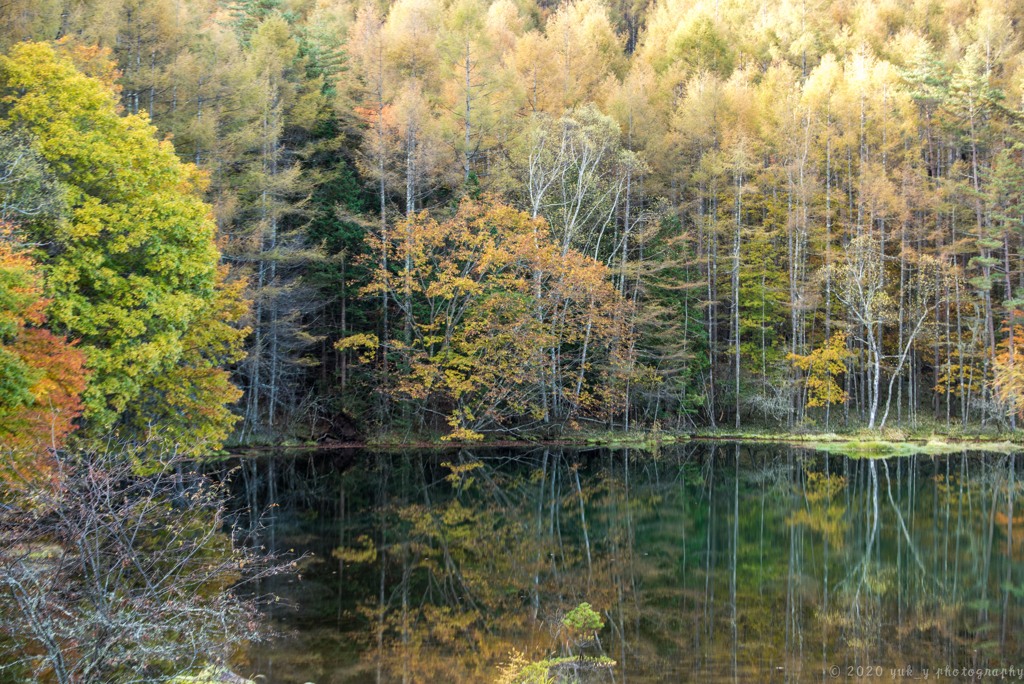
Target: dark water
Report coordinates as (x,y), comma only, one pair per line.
(708,562)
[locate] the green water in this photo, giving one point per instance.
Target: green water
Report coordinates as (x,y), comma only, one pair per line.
(708,562)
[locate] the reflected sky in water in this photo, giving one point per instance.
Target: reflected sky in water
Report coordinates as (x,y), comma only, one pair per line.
(710,562)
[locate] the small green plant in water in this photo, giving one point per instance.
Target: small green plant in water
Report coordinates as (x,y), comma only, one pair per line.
(583,624)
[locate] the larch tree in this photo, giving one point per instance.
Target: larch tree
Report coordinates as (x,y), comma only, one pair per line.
(471,79)
(280,107)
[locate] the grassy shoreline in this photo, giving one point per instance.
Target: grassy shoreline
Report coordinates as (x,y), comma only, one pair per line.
(858,443)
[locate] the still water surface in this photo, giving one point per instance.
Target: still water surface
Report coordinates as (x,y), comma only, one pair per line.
(709,562)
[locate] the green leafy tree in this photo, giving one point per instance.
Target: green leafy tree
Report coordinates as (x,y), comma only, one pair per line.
(583,623)
(132,270)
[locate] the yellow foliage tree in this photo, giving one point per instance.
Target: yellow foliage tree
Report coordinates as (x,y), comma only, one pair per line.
(822,366)
(1008,376)
(501,327)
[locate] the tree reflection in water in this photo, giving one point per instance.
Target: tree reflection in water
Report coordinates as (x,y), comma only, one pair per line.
(708,562)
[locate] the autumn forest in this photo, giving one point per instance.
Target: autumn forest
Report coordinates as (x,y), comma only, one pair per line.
(308,219)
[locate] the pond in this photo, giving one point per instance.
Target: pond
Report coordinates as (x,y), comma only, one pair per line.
(708,562)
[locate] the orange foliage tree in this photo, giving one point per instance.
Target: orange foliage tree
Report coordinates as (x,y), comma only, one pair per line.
(495,326)
(41,375)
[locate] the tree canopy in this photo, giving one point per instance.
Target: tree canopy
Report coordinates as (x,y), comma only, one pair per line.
(755,179)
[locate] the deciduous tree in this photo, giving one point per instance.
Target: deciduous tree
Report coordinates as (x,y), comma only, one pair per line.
(41,374)
(133,268)
(506,328)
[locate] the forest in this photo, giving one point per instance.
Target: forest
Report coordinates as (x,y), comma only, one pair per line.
(261,220)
